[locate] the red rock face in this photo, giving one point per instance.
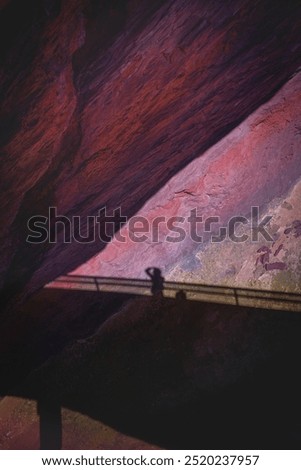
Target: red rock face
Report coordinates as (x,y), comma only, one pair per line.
(104,102)
(257,162)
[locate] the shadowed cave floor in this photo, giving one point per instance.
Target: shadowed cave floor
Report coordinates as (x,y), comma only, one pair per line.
(160,373)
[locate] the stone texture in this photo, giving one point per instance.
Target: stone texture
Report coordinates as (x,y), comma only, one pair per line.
(158,107)
(104,102)
(257,164)
(168,374)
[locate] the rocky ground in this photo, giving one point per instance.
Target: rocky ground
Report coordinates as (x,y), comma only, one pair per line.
(257,164)
(164,373)
(159,108)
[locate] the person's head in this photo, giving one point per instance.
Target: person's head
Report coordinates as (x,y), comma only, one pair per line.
(181,295)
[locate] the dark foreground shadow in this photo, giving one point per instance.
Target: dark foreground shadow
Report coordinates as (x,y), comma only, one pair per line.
(50,424)
(171,372)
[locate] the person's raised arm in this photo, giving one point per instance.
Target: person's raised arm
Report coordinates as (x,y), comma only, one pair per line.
(148,272)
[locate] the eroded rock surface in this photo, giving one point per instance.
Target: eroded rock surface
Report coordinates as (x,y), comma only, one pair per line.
(104,102)
(256,165)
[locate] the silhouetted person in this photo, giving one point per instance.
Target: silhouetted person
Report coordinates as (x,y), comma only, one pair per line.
(181,295)
(157,281)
